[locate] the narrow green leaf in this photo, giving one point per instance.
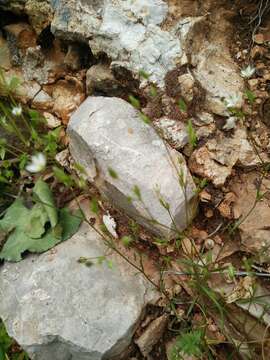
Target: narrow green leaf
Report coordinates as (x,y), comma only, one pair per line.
(134,102)
(112,173)
(182,105)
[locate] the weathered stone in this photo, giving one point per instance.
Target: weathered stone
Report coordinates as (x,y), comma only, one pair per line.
(5,58)
(26,90)
(216,158)
(254,228)
(45,69)
(186,82)
(214,67)
(152,334)
(99,78)
(173,131)
(42,101)
(57,308)
(127,31)
(16,6)
(40,14)
(67,94)
(52,121)
(109,133)
(20,37)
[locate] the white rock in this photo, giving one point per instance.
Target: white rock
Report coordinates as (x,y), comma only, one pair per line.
(109,133)
(216,158)
(52,121)
(127,31)
(57,308)
(173,131)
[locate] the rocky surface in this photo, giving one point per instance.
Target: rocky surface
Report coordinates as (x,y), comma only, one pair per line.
(215,160)
(57,308)
(108,133)
(190,50)
(152,334)
(254,228)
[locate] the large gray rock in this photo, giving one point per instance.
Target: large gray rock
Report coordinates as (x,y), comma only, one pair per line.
(57,308)
(127,31)
(108,133)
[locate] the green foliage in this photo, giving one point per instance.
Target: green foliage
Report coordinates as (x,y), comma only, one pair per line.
(62,177)
(144,74)
(182,105)
(94,206)
(145,118)
(45,197)
(134,102)
(137,192)
(113,173)
(127,240)
(28,229)
(250,96)
(192,137)
(189,343)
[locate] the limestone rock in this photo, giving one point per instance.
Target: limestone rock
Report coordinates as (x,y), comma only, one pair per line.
(127,31)
(57,308)
(108,133)
(40,14)
(42,101)
(45,69)
(186,82)
(5,56)
(216,158)
(254,230)
(173,131)
(67,95)
(152,334)
(214,67)
(26,90)
(52,121)
(20,37)
(99,78)
(16,6)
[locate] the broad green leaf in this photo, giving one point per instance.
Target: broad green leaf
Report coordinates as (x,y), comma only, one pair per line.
(69,222)
(38,217)
(19,240)
(15,216)
(45,196)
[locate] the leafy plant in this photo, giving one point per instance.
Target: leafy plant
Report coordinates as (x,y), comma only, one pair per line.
(192,137)
(189,343)
(37,229)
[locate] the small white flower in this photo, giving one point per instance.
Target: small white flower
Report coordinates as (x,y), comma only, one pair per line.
(234,101)
(17,111)
(247,72)
(37,164)
(110,224)
(230,123)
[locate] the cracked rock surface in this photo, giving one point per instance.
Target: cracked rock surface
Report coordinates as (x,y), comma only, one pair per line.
(59,309)
(104,130)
